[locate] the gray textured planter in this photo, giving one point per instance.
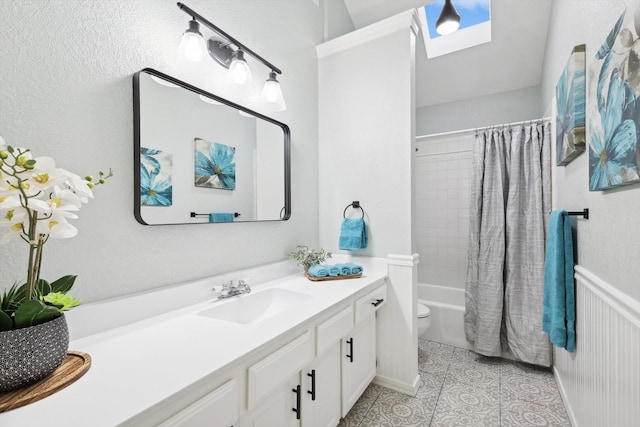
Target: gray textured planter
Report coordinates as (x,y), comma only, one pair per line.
(27,355)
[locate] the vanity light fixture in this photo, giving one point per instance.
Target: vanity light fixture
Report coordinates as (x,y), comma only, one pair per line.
(229,53)
(272,94)
(449,20)
(239,71)
(192,44)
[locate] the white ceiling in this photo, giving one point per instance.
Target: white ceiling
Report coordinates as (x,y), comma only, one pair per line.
(513,59)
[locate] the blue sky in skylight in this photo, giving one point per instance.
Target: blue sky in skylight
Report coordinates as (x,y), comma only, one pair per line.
(471,12)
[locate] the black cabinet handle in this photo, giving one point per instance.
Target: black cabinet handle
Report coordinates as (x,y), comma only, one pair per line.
(312,392)
(297,408)
(350,355)
(377,302)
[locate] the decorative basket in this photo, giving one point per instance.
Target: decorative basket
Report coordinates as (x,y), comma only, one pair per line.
(325,278)
(28,355)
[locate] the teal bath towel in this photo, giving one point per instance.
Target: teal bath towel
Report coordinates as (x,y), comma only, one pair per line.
(559,313)
(353,234)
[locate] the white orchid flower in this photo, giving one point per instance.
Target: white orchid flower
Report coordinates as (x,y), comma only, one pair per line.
(79,186)
(37,200)
(57,226)
(44,176)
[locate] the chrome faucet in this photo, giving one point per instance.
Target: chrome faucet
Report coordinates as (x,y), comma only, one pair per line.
(230,290)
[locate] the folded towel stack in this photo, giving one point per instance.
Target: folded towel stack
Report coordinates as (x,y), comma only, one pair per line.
(336,270)
(221,217)
(353,234)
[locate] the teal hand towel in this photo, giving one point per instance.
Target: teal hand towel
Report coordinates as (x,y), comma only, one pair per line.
(318,271)
(353,234)
(334,270)
(345,270)
(558,316)
(353,268)
(221,217)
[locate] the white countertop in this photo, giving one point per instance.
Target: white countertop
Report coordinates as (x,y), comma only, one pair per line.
(137,366)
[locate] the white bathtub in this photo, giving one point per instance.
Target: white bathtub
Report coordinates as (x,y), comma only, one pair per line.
(447,314)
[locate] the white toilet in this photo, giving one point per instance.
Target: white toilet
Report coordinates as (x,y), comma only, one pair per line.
(424,319)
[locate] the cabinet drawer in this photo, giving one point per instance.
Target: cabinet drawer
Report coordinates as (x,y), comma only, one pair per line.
(369,303)
(332,330)
(218,408)
(271,371)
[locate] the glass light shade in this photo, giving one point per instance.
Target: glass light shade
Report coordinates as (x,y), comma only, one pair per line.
(449,21)
(447,27)
(239,71)
(272,94)
(192,45)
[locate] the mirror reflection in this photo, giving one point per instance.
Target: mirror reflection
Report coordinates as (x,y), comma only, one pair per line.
(199,158)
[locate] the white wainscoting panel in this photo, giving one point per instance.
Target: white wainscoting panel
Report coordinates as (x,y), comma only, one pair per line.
(600,382)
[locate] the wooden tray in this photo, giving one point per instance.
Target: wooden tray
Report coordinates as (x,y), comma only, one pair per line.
(322,279)
(74,365)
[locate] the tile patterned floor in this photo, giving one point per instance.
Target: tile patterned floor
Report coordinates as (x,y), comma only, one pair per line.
(462,389)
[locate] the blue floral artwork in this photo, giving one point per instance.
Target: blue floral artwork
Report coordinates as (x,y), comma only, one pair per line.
(570,102)
(155,177)
(214,165)
(614,114)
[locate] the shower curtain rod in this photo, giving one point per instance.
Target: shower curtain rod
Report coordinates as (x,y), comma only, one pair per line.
(455,132)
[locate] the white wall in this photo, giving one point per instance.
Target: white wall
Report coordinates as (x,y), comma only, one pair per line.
(366,133)
(608,244)
(366,121)
(66,91)
(504,107)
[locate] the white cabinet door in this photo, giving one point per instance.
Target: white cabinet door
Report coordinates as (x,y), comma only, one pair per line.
(358,362)
(217,409)
(283,408)
(321,390)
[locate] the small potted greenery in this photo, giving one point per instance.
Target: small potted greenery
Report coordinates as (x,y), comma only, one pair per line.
(36,201)
(307,257)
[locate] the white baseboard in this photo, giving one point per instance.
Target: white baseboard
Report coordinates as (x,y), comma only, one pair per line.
(410,389)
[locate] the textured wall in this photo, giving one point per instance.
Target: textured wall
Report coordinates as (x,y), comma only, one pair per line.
(66,91)
(608,243)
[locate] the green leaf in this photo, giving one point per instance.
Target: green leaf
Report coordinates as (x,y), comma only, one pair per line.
(12,298)
(34,312)
(42,288)
(63,284)
(5,322)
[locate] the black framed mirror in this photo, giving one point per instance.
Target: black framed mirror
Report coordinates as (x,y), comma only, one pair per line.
(199,158)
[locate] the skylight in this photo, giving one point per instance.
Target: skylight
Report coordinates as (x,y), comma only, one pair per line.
(475,26)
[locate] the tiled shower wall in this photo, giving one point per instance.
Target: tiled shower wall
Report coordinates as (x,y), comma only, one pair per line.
(442,174)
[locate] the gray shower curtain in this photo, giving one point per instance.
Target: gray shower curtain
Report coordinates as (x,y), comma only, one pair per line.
(510,201)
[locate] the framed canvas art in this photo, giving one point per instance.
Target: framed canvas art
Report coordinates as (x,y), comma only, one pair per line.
(214,165)
(570,103)
(614,107)
(155,177)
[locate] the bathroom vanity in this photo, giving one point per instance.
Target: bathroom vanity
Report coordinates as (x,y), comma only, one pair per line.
(290,353)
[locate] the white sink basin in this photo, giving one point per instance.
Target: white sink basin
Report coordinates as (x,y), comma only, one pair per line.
(253,308)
